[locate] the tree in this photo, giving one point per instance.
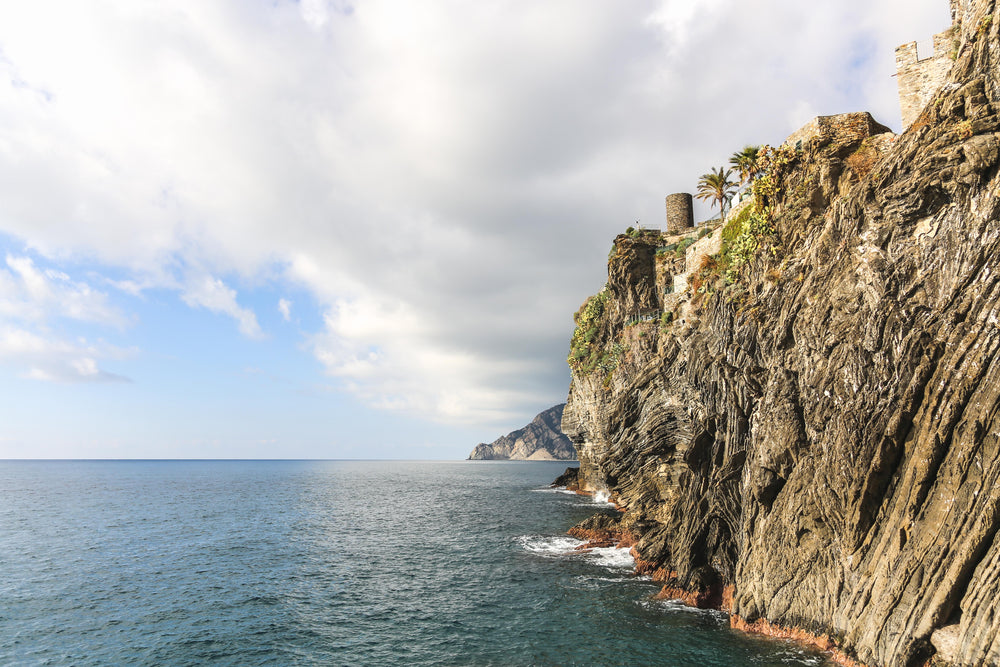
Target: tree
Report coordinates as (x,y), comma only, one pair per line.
(747,163)
(717,188)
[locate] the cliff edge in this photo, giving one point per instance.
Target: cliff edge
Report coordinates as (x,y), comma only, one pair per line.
(800,411)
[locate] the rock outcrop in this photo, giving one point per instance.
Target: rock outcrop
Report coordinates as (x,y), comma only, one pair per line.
(807,432)
(568,480)
(541,440)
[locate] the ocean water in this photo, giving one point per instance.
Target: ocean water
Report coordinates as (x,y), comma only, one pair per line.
(328,563)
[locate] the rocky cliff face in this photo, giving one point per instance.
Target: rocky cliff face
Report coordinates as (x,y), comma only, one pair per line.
(541,440)
(808,433)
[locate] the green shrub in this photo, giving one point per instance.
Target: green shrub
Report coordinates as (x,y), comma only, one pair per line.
(984,26)
(666,249)
(683,245)
(588,319)
(734,227)
(741,237)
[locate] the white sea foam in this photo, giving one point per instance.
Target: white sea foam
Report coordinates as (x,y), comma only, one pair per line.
(602,498)
(612,557)
(680,607)
(614,580)
(550,547)
(564,546)
(793,654)
(556,489)
(599,498)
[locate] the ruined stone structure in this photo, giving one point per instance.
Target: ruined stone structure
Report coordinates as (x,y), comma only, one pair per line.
(680,213)
(918,79)
(839,130)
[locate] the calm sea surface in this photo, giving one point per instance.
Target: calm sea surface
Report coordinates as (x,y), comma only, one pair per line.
(327,563)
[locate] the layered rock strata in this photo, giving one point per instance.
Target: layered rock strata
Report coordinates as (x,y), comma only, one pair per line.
(809,430)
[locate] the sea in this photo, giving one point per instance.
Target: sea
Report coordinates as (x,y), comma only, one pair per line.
(329,563)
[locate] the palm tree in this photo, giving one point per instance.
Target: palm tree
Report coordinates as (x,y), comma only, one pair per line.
(747,163)
(717,188)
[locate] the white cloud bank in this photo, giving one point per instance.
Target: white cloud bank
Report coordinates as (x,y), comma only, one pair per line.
(443,177)
(33,304)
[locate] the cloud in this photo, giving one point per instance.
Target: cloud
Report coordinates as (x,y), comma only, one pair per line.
(213,294)
(285,308)
(443,178)
(35,304)
(383,368)
(54,359)
(29,293)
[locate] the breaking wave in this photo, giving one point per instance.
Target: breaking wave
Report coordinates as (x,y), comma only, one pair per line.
(569,547)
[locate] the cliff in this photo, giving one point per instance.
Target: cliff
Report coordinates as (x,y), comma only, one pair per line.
(541,440)
(800,412)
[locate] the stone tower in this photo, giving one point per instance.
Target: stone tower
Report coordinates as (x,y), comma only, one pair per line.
(918,79)
(680,213)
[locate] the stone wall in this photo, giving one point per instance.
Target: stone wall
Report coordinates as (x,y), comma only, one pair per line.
(741,203)
(803,134)
(957,9)
(918,79)
(842,129)
(680,212)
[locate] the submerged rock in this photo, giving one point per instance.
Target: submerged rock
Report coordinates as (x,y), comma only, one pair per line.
(812,435)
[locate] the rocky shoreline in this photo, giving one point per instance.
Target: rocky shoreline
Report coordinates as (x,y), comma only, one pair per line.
(603,530)
(807,431)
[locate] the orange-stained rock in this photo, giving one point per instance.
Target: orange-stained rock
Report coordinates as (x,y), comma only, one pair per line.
(602,530)
(727,598)
(823,642)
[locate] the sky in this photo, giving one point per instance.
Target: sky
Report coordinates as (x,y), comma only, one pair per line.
(333,229)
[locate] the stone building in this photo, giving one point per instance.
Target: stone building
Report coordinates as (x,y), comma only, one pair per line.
(919,78)
(680,213)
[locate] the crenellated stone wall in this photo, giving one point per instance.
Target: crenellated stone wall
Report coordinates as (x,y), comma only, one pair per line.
(918,79)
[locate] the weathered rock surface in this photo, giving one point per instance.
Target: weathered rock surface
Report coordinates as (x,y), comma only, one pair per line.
(602,530)
(568,479)
(819,435)
(541,440)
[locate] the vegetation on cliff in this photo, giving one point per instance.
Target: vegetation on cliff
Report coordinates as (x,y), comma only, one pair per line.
(717,187)
(585,352)
(816,447)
